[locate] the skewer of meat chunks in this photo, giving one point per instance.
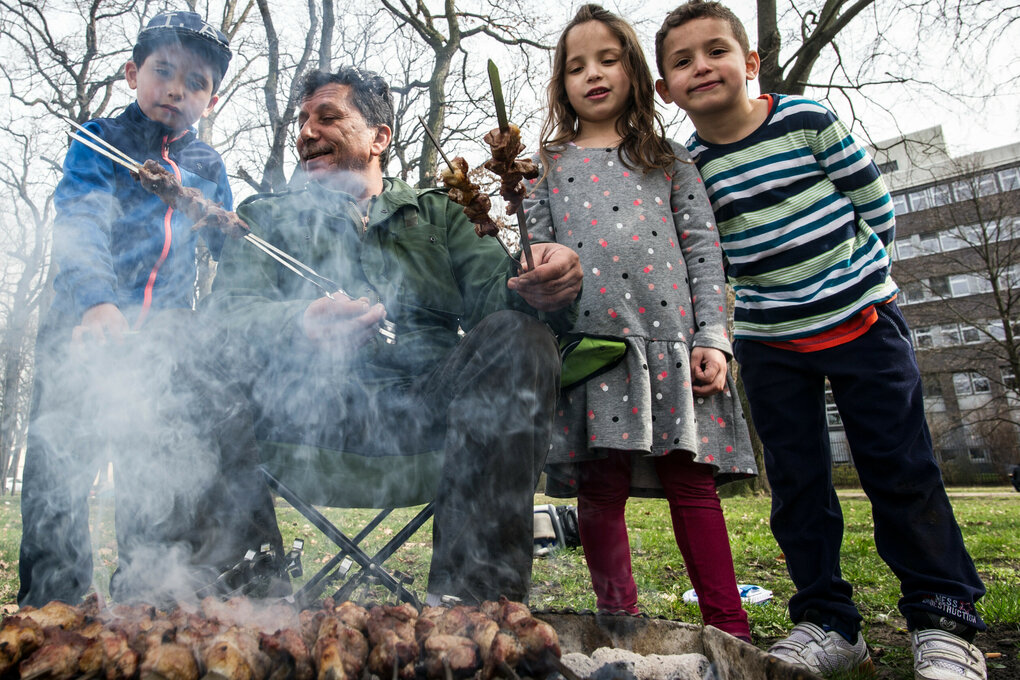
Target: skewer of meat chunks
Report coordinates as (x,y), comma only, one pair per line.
(506,147)
(466,193)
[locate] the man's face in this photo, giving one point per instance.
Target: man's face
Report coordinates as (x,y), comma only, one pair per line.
(334,138)
(706,69)
(173,86)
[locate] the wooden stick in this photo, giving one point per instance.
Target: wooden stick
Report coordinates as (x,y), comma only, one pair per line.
(435,142)
(446,669)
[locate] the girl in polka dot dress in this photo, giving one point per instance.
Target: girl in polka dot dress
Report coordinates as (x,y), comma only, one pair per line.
(663,422)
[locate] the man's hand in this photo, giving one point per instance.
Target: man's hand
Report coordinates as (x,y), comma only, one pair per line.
(708,371)
(555,281)
(99,324)
(341,325)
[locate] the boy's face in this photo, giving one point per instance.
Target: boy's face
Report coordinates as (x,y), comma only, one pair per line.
(174,86)
(706,69)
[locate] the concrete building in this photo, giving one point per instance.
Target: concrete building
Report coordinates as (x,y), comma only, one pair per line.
(957,262)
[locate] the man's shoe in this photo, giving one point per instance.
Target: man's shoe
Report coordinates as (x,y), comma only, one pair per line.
(939,655)
(824,652)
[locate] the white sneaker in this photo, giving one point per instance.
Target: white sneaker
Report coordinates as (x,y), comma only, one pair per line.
(822,652)
(939,655)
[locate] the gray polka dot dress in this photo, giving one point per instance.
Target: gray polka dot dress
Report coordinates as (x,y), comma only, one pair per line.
(653,277)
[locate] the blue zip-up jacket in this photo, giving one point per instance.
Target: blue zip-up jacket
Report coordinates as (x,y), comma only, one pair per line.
(115,242)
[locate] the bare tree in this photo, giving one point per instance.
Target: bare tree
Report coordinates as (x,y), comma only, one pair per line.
(445,33)
(24,236)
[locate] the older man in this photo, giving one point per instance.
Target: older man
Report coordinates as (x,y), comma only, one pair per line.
(474,373)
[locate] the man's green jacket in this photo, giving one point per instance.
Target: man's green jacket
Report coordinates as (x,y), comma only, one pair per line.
(416,252)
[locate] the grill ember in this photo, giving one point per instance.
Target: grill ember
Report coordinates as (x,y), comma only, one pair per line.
(241,640)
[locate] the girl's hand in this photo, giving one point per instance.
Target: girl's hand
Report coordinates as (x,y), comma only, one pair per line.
(708,371)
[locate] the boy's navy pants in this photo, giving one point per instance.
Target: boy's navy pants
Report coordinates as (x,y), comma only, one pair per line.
(877,388)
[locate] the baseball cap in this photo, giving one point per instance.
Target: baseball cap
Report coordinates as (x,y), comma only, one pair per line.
(188,27)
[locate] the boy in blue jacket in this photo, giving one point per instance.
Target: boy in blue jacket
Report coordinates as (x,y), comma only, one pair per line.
(122,257)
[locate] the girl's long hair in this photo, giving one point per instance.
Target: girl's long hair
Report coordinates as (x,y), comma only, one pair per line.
(643,144)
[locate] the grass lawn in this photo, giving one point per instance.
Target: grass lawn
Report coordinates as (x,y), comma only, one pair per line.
(989,518)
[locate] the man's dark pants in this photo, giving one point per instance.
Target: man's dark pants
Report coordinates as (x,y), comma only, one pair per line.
(877,388)
(488,405)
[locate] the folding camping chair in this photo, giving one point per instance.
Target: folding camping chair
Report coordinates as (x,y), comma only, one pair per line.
(307,476)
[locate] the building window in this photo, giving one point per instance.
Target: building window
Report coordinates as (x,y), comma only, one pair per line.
(986,185)
(971,382)
(831,412)
(952,240)
(928,244)
(939,286)
(899,204)
(960,285)
(923,338)
(905,249)
(971,335)
(997,330)
(889,166)
(1008,378)
(963,190)
(950,336)
(1009,179)
(919,200)
(941,194)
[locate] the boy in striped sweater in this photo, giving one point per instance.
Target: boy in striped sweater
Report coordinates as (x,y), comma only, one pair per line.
(805,223)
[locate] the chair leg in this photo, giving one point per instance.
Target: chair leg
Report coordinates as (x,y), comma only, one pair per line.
(370,566)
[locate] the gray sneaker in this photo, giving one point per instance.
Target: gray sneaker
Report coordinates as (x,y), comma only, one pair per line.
(939,655)
(822,652)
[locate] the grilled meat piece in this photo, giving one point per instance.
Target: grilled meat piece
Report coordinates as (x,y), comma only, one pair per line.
(391,634)
(55,614)
(468,194)
(19,637)
(169,661)
(61,657)
(288,655)
(189,200)
(458,652)
(506,147)
(234,654)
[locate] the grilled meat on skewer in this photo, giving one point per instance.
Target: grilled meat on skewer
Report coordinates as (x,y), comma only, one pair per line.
(288,655)
(506,147)
(19,637)
(458,653)
(468,194)
(62,657)
(169,661)
(189,200)
(391,634)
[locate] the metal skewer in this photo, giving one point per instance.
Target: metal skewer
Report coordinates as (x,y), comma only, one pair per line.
(133,167)
(387,329)
(453,169)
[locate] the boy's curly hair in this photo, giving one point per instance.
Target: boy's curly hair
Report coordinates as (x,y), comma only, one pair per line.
(699,9)
(643,141)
